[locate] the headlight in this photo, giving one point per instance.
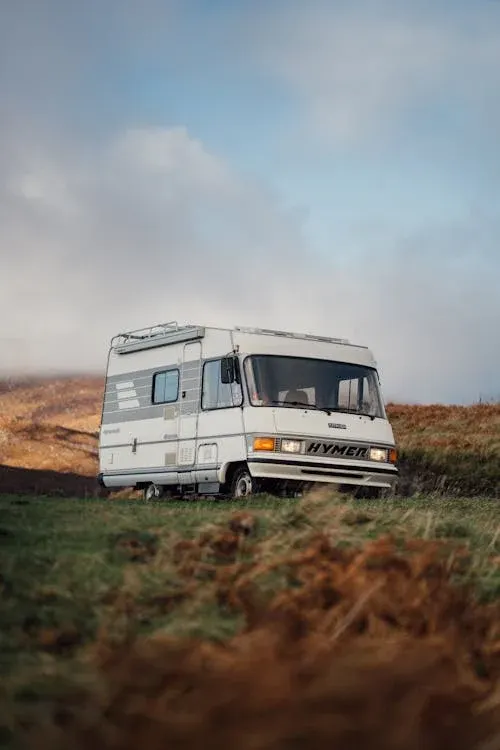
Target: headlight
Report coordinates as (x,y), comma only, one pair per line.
(291,446)
(378,454)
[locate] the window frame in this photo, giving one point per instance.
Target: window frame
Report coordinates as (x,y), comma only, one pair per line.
(218,408)
(164,372)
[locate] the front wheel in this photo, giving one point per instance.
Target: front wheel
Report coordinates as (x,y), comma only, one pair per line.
(241,484)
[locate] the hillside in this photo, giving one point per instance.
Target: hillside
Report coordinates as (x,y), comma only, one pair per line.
(51,425)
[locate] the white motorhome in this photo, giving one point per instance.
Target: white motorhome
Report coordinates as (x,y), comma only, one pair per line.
(194,409)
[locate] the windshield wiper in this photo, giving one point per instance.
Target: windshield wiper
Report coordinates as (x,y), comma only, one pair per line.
(327,409)
(346,410)
(302,403)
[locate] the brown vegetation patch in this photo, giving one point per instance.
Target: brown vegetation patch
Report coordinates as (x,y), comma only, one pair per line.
(462,428)
(372,647)
(136,546)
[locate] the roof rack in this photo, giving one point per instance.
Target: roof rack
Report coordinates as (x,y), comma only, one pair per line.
(289,334)
(155,335)
(162,334)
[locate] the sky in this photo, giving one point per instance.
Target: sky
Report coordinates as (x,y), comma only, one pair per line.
(327,167)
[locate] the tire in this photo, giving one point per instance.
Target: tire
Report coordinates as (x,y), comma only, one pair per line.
(241,483)
(153,492)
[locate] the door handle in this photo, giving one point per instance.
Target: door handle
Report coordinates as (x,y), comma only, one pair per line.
(134,445)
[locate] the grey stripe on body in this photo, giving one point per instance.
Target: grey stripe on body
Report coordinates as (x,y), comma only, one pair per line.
(112,401)
(174,439)
(189,410)
(132,415)
(141,382)
(141,374)
(179,469)
(192,366)
(152,411)
(113,394)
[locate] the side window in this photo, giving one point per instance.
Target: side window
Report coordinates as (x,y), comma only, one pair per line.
(359,394)
(166,387)
(369,402)
(215,393)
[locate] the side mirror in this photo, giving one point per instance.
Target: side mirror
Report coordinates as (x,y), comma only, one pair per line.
(227,370)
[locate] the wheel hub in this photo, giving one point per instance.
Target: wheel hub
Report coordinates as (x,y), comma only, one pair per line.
(152,492)
(243,487)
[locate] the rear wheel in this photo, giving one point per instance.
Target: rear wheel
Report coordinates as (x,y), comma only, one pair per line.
(153,492)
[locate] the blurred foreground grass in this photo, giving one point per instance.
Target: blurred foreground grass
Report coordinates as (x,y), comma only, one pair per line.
(72,569)
(63,562)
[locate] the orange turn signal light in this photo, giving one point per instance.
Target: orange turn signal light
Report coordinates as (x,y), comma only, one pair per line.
(264,444)
(393,455)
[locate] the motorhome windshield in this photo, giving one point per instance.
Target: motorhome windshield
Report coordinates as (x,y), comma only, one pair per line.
(297,382)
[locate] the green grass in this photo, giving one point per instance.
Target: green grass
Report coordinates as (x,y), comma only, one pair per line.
(70,567)
(449,472)
(64,561)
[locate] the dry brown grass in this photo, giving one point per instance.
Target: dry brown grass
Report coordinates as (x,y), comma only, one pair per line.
(447,428)
(51,424)
(450,449)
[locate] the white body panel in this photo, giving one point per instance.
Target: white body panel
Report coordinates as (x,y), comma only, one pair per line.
(179,437)
(253,343)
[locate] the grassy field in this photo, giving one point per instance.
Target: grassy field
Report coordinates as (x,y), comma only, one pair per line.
(82,580)
(264,625)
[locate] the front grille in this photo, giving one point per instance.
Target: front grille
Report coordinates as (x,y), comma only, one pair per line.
(337,449)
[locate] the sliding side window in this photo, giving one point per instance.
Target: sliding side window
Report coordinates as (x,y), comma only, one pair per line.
(166,387)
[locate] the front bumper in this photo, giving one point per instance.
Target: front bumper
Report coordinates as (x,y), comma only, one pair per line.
(307,470)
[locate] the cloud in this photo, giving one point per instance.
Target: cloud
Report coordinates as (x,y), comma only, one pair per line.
(106,225)
(360,68)
(154,227)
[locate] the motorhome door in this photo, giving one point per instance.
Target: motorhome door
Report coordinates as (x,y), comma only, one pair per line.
(189,402)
